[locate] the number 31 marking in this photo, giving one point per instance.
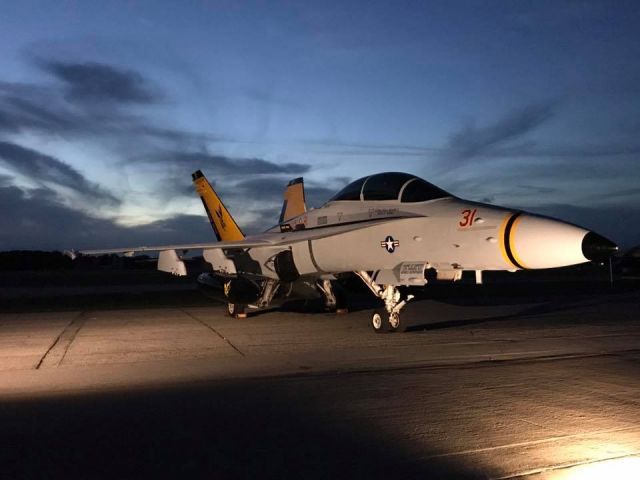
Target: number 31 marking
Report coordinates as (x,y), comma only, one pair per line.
(467,217)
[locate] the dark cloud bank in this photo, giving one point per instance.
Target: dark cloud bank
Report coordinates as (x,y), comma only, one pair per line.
(105,104)
(96,82)
(507,138)
(46,169)
(472,141)
(39,221)
(90,101)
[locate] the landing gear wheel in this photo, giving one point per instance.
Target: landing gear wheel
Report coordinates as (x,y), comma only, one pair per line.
(377,322)
(394,321)
(236,310)
(393,302)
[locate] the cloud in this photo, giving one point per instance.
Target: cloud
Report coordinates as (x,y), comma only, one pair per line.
(507,139)
(44,168)
(99,82)
(222,165)
(5,180)
(472,142)
(269,98)
(338,147)
(35,219)
(272,189)
(536,189)
(29,108)
(619,194)
(47,110)
(228,175)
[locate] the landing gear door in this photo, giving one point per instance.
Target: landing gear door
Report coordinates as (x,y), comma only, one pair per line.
(406,273)
(411,273)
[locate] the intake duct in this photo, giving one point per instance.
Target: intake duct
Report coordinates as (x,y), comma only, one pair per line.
(285,267)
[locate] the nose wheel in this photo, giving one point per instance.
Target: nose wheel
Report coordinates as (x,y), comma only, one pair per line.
(393,303)
(377,322)
(394,321)
(381,324)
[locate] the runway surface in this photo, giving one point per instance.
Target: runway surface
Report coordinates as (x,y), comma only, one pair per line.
(531,390)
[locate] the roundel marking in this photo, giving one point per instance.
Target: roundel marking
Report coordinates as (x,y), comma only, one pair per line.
(390,244)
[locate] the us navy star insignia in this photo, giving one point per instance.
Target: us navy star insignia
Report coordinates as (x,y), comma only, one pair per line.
(390,244)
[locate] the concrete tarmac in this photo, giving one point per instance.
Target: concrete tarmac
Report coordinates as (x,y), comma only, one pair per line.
(533,390)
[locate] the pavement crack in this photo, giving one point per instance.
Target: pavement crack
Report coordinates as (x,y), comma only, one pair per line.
(71,329)
(205,324)
(78,323)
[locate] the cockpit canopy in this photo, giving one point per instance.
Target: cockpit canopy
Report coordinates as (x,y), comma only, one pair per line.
(390,186)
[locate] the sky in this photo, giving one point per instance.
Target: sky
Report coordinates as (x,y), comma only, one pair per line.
(106,108)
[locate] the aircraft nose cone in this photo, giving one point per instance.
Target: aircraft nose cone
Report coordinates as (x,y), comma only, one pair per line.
(596,248)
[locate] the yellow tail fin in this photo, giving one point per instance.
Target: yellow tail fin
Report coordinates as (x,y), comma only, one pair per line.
(294,202)
(224,226)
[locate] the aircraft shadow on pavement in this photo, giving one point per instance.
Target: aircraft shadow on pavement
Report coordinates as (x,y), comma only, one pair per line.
(525,312)
(456,323)
(269,428)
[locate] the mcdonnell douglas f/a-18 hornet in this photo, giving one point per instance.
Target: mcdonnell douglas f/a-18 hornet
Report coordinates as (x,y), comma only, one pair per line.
(388,229)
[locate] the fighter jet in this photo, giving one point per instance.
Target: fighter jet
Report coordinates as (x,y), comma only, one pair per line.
(388,229)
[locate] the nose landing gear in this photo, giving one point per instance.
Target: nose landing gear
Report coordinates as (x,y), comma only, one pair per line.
(393,303)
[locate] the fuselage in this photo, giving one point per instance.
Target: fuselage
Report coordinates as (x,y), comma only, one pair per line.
(403,220)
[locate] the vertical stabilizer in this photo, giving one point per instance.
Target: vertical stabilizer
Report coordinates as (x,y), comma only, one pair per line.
(224,226)
(294,203)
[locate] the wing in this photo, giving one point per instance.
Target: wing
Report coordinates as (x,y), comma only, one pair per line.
(270,239)
(169,261)
(128,251)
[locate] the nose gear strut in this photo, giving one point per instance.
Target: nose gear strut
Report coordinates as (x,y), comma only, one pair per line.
(393,303)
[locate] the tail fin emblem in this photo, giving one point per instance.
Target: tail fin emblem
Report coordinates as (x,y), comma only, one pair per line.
(219,215)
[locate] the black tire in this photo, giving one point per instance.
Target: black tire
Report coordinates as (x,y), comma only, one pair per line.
(342,305)
(342,298)
(235,309)
(394,322)
(377,321)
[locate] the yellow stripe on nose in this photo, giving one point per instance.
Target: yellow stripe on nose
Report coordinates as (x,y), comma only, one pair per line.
(512,243)
(502,238)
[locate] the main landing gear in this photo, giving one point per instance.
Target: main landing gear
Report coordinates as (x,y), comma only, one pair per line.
(236,310)
(268,289)
(393,303)
(332,302)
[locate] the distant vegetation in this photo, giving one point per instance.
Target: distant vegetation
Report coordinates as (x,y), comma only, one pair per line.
(33,260)
(19,260)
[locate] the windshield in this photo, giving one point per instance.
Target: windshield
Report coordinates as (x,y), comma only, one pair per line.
(390,186)
(385,186)
(350,192)
(419,190)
